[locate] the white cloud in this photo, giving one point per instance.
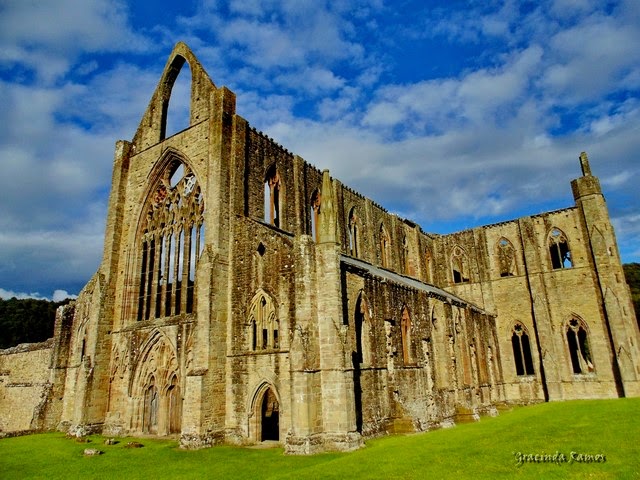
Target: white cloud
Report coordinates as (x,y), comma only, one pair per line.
(58,295)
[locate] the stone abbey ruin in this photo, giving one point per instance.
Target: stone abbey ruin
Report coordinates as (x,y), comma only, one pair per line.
(244,296)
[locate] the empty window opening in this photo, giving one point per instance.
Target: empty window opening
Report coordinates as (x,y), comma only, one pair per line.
(506,258)
(270,410)
(459,265)
(521,350)
(261,249)
(315,215)
(405,255)
(405,328)
(559,250)
(354,233)
(177,101)
(272,197)
(579,350)
(171,243)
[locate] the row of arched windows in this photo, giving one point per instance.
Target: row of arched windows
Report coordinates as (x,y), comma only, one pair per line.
(577,343)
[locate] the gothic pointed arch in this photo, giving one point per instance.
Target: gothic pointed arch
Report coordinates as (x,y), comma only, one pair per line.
(169,239)
(559,252)
(521,345)
(314,206)
(459,265)
(264,413)
(263,323)
(577,335)
(152,128)
(155,387)
(355,232)
(362,322)
(273,197)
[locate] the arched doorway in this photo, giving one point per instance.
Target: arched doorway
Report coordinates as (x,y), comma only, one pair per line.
(270,416)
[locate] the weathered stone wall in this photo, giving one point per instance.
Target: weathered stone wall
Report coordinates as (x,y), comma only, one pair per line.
(24,385)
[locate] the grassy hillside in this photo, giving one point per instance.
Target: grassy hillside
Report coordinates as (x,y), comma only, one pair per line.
(486,449)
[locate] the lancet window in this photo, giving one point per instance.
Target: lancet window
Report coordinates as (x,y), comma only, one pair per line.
(354,233)
(171,242)
(315,215)
(272,197)
(578,341)
(506,258)
(263,324)
(521,350)
(559,250)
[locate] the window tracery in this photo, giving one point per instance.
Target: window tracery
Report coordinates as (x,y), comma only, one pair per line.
(171,241)
(263,323)
(521,350)
(559,250)
(579,350)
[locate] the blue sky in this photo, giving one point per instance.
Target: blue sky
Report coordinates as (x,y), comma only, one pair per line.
(453,114)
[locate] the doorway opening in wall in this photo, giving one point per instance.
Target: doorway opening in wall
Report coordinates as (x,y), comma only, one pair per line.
(270,416)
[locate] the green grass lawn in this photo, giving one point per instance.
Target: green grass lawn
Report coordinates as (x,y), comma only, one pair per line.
(485,449)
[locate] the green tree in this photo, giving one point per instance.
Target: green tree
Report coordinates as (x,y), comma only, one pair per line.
(26,321)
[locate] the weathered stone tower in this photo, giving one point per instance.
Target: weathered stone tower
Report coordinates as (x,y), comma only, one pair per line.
(246,296)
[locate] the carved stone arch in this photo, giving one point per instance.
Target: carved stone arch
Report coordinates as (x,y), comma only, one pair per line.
(264,412)
(154,386)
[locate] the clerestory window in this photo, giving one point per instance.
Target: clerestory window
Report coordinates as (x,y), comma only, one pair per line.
(559,250)
(459,266)
(579,350)
(506,258)
(273,198)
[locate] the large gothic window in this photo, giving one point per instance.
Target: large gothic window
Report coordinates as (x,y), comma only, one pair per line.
(506,258)
(170,243)
(459,266)
(429,263)
(272,197)
(559,250)
(521,350)
(579,350)
(263,324)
